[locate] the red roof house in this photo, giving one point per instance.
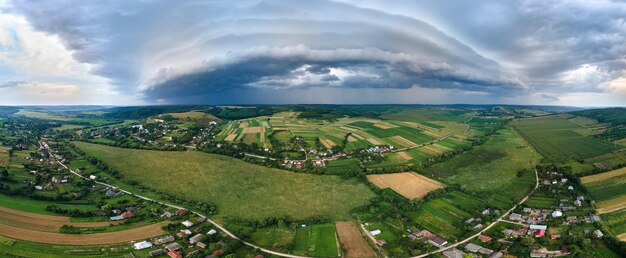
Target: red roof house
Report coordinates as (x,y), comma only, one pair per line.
(175,254)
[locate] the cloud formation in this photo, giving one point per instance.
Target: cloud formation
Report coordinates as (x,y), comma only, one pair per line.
(269,51)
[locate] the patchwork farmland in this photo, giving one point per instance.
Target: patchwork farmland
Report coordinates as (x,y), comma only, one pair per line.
(608,189)
(358,132)
(409,185)
(558,139)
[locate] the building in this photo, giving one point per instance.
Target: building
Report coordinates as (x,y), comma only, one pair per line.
(538,227)
(156,252)
(437,241)
(484,238)
(195,239)
(163,240)
(556,214)
(453,253)
(515,217)
(597,233)
(375,232)
(471,247)
(142,245)
(201,245)
(187,223)
(212,232)
(175,254)
(173,247)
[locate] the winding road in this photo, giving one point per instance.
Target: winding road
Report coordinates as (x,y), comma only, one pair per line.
(500,219)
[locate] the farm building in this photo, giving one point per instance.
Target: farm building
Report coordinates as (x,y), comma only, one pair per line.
(142,245)
(375,232)
(471,247)
(163,240)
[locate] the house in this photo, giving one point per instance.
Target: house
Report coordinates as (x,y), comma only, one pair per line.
(156,252)
(375,232)
(540,233)
(557,213)
(471,247)
(167,214)
(173,247)
(484,238)
(453,253)
(163,240)
(200,220)
(496,255)
(485,251)
(195,239)
(555,236)
(127,214)
(142,245)
(515,217)
(527,210)
(181,212)
(597,233)
(570,188)
(437,241)
(187,223)
(201,245)
(218,252)
(212,232)
(595,218)
(538,227)
(116,218)
(175,254)
(578,203)
(380,242)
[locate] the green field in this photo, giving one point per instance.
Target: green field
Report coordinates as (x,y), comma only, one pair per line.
(316,240)
(487,167)
(442,218)
(238,188)
(36,206)
(557,140)
(615,222)
(608,189)
(429,114)
(412,134)
(18,248)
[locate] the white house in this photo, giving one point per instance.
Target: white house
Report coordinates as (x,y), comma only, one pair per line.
(375,232)
(187,223)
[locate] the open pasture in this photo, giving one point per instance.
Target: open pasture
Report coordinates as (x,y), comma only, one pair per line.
(410,185)
(557,140)
(238,188)
(487,167)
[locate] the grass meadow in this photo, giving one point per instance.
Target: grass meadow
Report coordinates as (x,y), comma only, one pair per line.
(487,167)
(557,140)
(238,188)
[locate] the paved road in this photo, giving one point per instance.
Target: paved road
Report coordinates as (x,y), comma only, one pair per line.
(501,218)
(230,234)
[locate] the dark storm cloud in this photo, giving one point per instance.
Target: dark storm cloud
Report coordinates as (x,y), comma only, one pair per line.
(174,51)
(172,48)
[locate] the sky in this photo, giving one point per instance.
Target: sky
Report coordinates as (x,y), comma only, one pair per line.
(300,52)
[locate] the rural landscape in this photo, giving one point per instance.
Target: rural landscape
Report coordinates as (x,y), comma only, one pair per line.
(312,129)
(312,181)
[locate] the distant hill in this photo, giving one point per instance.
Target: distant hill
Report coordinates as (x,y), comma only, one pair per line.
(615,118)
